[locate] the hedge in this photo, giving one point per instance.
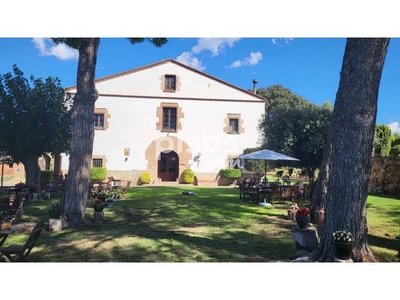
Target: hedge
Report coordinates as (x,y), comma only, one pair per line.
(230,173)
(46,177)
(98,173)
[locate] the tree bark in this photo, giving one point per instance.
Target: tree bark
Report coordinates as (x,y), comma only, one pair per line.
(346,166)
(32,169)
(75,194)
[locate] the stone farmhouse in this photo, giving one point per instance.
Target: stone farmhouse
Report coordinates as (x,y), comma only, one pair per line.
(166,117)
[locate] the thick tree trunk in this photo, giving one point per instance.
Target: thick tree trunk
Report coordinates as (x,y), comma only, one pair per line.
(32,169)
(346,164)
(75,194)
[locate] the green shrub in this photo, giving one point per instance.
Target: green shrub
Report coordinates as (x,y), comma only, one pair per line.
(279,173)
(145,178)
(230,173)
(98,174)
(187,176)
(395,151)
(46,177)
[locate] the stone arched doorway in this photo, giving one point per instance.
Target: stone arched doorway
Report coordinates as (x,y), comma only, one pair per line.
(167,150)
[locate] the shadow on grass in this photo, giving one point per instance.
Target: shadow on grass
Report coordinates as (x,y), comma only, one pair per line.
(207,227)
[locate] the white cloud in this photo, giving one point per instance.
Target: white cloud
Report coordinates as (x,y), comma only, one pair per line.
(394,127)
(236,64)
(188,59)
(287,41)
(214,45)
(253,59)
(61,51)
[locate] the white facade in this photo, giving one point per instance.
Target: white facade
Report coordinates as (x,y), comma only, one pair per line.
(133,138)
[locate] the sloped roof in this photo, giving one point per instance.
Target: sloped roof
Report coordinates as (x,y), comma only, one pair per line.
(174,62)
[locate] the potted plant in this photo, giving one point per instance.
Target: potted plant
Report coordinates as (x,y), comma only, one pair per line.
(303,218)
(343,242)
(98,205)
(32,188)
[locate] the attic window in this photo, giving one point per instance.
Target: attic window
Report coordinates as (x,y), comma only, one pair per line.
(170,83)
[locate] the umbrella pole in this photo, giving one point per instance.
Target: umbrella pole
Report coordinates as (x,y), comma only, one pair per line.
(265,181)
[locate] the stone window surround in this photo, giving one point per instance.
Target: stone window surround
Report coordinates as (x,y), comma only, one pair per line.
(159,114)
(107,116)
(233,116)
(102,157)
(177,83)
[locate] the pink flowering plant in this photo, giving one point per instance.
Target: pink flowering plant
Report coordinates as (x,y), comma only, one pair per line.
(342,236)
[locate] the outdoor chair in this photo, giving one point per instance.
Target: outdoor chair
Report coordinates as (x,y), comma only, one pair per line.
(12,206)
(20,253)
(244,190)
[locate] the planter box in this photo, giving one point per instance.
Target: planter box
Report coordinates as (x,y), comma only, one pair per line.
(55,225)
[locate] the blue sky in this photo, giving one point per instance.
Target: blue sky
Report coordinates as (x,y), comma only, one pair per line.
(310,67)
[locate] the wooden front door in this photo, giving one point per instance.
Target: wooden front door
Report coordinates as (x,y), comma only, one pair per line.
(168,166)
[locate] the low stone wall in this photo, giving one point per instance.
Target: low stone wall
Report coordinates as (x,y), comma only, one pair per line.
(385,176)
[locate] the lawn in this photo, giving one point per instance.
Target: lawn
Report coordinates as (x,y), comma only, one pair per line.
(159,224)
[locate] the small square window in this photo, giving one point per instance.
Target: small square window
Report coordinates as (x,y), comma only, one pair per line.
(97,162)
(169,83)
(234,125)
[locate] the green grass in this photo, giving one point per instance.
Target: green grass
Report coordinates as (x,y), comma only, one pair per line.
(159,224)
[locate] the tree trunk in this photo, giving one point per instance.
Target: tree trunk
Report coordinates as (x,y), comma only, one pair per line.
(32,169)
(346,165)
(319,192)
(82,126)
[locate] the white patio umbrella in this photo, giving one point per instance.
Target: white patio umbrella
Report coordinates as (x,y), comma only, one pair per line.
(266,155)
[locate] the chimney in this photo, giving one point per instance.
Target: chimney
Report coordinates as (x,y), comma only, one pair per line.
(254,86)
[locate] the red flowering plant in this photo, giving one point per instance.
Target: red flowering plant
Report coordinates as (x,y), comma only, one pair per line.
(20,185)
(33,187)
(303,212)
(98,201)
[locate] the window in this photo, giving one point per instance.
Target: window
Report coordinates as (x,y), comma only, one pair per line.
(169,116)
(97,162)
(234,163)
(234,125)
(101,117)
(169,119)
(99,121)
(170,83)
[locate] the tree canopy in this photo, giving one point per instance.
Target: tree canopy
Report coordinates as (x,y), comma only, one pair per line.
(382,140)
(295,127)
(395,145)
(34,119)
